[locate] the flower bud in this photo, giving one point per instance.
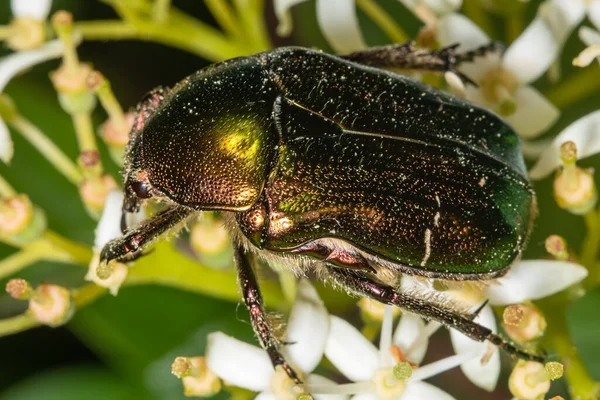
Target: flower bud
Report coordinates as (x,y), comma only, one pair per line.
(557,247)
(531,380)
(197,379)
(28,33)
(113,135)
(524,323)
(211,242)
(51,305)
(19,289)
(108,275)
(20,222)
(94,191)
(574,188)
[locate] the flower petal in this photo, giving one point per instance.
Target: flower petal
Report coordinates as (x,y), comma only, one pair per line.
(385,339)
(15,63)
(594,13)
(589,36)
(237,362)
(485,376)
(339,24)
(423,390)
(284,15)
(532,53)
(36,9)
(410,328)
(321,380)
(534,279)
(265,396)
(573,11)
(585,133)
(6,143)
(307,329)
(351,353)
(534,113)
(109,226)
(456,28)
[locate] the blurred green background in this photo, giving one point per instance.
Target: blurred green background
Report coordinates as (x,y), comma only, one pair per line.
(122,347)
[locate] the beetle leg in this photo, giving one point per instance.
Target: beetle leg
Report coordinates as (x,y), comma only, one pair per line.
(260,323)
(128,247)
(408,56)
(365,285)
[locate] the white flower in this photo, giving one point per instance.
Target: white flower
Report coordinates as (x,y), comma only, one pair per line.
(34,9)
(585,133)
(574,11)
(504,80)
(337,20)
(249,367)
(372,370)
(109,227)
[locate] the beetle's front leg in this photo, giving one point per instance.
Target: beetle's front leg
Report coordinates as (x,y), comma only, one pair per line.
(365,285)
(128,247)
(258,317)
(408,56)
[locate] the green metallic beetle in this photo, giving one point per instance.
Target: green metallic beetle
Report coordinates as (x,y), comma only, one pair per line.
(334,165)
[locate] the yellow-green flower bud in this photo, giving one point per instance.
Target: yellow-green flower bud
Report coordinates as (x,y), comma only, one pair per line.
(20,222)
(574,188)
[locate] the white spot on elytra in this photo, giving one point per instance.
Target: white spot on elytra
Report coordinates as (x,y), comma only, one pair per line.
(427,247)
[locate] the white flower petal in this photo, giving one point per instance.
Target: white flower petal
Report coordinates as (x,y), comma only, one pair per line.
(437,367)
(589,36)
(532,53)
(265,396)
(307,328)
(411,328)
(573,11)
(585,133)
(109,226)
(321,380)
(594,13)
(339,23)
(423,390)
(36,9)
(533,149)
(534,279)
(15,63)
(6,143)
(485,376)
(385,339)
(239,363)
(350,352)
(284,15)
(442,7)
(534,113)
(456,28)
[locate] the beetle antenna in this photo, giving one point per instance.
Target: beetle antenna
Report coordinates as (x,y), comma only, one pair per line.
(513,350)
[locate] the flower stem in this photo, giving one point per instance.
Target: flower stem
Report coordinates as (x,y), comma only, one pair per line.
(6,190)
(589,249)
(85,131)
(160,10)
(252,17)
(383,20)
(17,261)
(110,103)
(576,87)
(107,30)
(225,17)
(49,150)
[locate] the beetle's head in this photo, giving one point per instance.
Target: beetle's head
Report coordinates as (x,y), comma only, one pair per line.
(208,144)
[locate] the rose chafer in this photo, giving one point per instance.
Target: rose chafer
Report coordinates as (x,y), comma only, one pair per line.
(334,165)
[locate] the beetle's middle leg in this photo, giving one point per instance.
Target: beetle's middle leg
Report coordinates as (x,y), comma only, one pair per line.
(258,318)
(363,284)
(408,56)
(128,247)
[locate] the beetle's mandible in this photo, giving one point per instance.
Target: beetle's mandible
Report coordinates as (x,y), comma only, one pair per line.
(335,165)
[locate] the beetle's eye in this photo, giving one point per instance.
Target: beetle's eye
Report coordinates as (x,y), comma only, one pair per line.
(141,190)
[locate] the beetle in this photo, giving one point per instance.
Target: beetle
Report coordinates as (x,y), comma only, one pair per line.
(336,165)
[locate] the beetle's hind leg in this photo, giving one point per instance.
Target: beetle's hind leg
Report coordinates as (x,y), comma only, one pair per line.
(128,247)
(365,285)
(408,56)
(258,318)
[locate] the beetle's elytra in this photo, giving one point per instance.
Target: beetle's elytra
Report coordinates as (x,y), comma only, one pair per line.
(332,164)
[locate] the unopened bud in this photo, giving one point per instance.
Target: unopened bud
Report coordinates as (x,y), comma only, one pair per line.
(20,222)
(557,247)
(19,289)
(574,188)
(94,191)
(198,380)
(531,380)
(51,305)
(27,34)
(524,323)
